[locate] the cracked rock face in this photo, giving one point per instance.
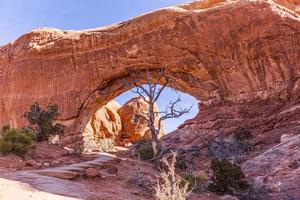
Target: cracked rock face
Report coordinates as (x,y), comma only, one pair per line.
(134,127)
(227,54)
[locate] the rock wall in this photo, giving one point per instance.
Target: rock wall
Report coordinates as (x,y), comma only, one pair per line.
(229,54)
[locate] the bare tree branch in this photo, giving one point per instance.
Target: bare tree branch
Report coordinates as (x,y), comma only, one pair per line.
(150,89)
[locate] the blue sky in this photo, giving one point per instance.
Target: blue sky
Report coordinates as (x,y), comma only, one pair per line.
(164,100)
(20,16)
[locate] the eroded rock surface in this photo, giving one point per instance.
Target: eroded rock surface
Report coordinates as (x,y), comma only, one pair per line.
(105,123)
(134,126)
(278,168)
(229,54)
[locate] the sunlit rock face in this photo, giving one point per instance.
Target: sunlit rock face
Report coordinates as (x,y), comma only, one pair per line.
(121,124)
(105,123)
(231,55)
(134,126)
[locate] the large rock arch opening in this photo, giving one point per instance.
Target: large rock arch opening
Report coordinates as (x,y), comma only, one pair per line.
(183,81)
(238,52)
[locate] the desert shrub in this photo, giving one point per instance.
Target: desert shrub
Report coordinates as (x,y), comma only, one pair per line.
(181,163)
(42,121)
(221,148)
(5,128)
(78,151)
(170,186)
(196,183)
(144,150)
(186,157)
(142,179)
(253,193)
(106,145)
(227,177)
(242,134)
(17,141)
(232,148)
(242,139)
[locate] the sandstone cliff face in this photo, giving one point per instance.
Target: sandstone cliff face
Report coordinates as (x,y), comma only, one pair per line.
(134,127)
(278,168)
(119,123)
(229,54)
(105,123)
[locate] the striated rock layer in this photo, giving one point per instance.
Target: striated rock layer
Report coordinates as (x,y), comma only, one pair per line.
(241,58)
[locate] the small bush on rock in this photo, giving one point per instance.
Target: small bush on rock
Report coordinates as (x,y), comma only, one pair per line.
(230,148)
(42,121)
(144,150)
(17,141)
(241,138)
(242,134)
(106,145)
(227,177)
(196,183)
(142,179)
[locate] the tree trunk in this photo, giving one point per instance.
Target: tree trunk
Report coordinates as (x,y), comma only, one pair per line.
(155,145)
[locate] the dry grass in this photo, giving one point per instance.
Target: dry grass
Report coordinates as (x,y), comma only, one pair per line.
(170,185)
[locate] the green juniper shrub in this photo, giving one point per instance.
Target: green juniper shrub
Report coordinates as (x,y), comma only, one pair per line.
(42,121)
(144,149)
(242,134)
(5,128)
(196,184)
(242,139)
(181,163)
(227,177)
(18,141)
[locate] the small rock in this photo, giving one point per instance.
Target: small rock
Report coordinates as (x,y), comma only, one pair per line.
(56,162)
(46,164)
(135,192)
(294,164)
(112,169)
(227,197)
(92,173)
(60,174)
(31,163)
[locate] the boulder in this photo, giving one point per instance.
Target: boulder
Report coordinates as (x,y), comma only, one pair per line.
(31,163)
(135,127)
(105,123)
(92,172)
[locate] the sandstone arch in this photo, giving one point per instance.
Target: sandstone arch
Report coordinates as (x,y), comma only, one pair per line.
(236,52)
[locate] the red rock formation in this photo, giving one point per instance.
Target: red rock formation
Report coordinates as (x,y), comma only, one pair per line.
(241,58)
(105,123)
(134,127)
(278,168)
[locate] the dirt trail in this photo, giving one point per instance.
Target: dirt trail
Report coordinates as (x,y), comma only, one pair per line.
(45,185)
(17,190)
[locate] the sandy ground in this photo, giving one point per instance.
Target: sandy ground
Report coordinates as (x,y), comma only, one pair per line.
(16,190)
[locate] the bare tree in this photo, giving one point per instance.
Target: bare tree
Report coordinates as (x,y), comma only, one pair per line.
(150,87)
